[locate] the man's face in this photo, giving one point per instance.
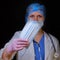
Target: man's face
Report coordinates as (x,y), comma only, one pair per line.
(36,16)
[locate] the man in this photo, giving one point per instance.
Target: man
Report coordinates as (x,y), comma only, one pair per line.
(43,47)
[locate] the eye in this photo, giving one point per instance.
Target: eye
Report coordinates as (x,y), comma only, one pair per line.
(39,16)
(31,16)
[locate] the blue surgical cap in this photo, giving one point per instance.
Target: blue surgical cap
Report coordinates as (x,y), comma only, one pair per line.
(35,7)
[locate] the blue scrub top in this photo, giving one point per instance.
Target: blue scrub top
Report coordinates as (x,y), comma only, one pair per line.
(39,49)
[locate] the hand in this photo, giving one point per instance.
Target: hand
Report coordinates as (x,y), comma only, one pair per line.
(17,45)
(14,46)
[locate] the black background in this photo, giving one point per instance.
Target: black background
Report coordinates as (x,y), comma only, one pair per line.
(12,14)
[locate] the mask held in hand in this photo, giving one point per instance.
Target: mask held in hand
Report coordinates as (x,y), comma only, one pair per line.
(30,29)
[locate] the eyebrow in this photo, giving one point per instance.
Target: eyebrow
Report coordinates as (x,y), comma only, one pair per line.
(38,15)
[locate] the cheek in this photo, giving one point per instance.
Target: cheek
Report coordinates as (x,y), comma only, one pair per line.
(30,18)
(42,19)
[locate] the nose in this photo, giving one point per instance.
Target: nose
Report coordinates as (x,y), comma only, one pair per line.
(36,18)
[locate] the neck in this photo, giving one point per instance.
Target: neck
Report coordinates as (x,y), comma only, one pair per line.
(39,35)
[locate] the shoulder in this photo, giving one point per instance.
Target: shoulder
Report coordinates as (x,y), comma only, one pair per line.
(54,39)
(17,32)
(16,35)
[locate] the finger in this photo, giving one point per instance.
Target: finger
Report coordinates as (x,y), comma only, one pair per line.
(23,43)
(17,49)
(19,46)
(22,40)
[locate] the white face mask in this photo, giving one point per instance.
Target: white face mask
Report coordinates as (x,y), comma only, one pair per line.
(30,29)
(40,22)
